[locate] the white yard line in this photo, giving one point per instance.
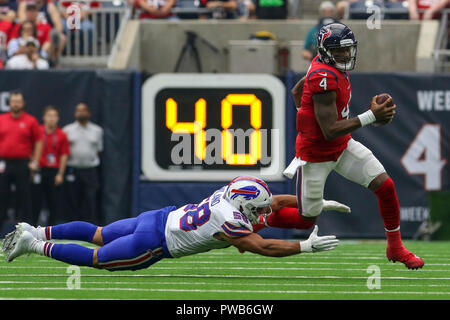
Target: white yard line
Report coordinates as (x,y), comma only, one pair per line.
(234,291)
(168,261)
(238,268)
(196,283)
(110,275)
(181,261)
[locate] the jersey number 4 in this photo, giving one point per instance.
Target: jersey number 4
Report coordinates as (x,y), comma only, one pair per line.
(196,215)
(323,83)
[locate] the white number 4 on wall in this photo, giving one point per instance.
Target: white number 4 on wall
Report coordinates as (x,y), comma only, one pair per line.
(424,156)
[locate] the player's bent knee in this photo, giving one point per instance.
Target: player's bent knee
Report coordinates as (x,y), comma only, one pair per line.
(314,189)
(376,183)
(313,209)
(373,169)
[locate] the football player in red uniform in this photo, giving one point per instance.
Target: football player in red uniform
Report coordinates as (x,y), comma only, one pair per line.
(324,141)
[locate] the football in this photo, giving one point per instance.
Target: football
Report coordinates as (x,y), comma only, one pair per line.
(381,98)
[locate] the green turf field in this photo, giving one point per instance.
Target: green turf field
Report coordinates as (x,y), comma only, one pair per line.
(228,275)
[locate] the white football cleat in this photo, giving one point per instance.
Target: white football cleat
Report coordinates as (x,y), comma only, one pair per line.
(22,226)
(334,205)
(19,245)
(7,241)
(37,232)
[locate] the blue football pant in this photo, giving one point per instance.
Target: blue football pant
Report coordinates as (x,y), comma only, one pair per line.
(134,243)
(129,244)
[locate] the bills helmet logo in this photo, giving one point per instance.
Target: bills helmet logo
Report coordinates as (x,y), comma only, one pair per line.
(248,193)
(324,35)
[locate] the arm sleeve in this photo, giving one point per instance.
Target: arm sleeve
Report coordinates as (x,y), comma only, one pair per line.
(322,80)
(235,229)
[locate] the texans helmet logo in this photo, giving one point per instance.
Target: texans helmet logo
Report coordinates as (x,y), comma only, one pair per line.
(250,192)
(324,36)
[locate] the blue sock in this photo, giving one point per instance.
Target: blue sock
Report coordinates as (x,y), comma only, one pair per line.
(76,230)
(71,253)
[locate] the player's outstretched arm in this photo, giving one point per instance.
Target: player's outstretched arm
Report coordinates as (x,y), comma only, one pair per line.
(281,201)
(281,248)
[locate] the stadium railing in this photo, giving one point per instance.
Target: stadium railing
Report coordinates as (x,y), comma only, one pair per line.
(441,52)
(92,45)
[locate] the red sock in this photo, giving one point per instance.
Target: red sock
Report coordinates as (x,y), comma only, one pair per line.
(390,211)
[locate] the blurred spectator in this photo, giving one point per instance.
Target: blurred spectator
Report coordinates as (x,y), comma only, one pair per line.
(271,9)
(27,29)
(29,59)
(342,7)
(8,10)
(190,5)
(68,10)
(399,9)
(222,9)
(48,12)
(246,9)
(357,9)
(51,38)
(327,15)
(47,183)
(82,180)
(432,8)
(155,9)
(20,151)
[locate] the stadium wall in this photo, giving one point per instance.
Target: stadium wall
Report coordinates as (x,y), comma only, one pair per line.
(160,43)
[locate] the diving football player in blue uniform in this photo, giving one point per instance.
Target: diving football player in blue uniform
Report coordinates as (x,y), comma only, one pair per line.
(223,219)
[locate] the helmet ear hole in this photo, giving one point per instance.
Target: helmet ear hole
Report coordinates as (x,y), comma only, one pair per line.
(247,194)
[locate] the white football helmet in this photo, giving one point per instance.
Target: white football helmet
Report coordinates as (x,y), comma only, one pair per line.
(250,195)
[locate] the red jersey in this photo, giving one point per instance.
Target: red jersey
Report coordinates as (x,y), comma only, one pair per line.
(54,145)
(311,144)
(426,4)
(18,136)
(42,32)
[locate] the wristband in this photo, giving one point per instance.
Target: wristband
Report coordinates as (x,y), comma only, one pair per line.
(305,246)
(367,118)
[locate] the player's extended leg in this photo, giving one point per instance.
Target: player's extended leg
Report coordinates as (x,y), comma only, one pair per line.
(28,239)
(358,164)
(131,252)
(139,250)
(75,230)
(286,218)
(312,200)
(23,242)
(384,188)
(310,187)
(82,231)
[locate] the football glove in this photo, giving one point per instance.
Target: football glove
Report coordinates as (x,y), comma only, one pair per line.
(316,243)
